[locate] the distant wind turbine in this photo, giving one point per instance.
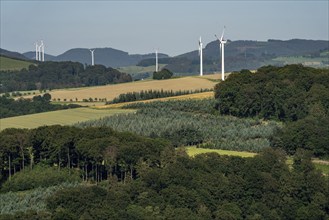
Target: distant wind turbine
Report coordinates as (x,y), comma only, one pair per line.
(36,51)
(40,51)
(156,61)
(43,51)
(221,48)
(200,54)
(92,57)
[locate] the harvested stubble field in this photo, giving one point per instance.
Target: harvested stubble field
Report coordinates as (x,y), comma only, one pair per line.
(61,117)
(111,91)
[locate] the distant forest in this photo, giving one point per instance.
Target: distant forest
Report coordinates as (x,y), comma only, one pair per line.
(55,75)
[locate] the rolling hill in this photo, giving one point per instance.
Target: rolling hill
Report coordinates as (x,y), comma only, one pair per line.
(12,54)
(252,55)
(108,57)
(10,64)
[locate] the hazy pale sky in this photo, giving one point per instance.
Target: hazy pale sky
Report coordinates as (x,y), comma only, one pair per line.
(141,26)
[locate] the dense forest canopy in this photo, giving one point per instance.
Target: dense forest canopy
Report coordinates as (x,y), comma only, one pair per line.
(51,75)
(285,93)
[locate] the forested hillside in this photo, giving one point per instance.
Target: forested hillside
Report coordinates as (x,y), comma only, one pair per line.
(135,166)
(165,184)
(51,75)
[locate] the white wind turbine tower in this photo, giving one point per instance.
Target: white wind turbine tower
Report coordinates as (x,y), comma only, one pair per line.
(92,57)
(36,51)
(200,54)
(156,61)
(40,51)
(221,47)
(43,51)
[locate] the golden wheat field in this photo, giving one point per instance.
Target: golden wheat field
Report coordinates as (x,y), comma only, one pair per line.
(111,91)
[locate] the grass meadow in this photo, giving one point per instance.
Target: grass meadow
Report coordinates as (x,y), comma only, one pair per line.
(192,151)
(61,117)
(12,64)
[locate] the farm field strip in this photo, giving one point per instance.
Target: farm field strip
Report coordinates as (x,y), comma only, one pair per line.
(61,117)
(111,91)
(193,151)
(201,95)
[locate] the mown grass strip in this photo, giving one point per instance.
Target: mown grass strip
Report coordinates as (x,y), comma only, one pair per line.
(192,151)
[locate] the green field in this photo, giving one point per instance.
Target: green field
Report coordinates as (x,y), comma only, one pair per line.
(12,64)
(139,69)
(62,117)
(192,151)
(321,61)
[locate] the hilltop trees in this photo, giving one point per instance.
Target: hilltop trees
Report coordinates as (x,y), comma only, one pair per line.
(282,93)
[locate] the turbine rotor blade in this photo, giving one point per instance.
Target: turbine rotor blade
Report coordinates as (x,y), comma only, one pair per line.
(222,37)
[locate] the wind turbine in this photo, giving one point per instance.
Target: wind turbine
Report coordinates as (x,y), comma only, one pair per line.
(92,57)
(221,48)
(43,51)
(39,50)
(36,51)
(200,54)
(156,61)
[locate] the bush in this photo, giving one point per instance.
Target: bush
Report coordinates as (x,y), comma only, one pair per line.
(40,176)
(163,74)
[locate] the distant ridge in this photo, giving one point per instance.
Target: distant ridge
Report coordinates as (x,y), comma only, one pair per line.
(12,54)
(243,54)
(108,57)
(240,54)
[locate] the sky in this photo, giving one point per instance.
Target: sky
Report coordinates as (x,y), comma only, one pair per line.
(140,27)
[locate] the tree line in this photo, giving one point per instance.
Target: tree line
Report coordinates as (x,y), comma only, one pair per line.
(51,75)
(162,74)
(99,152)
(10,107)
(151,94)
